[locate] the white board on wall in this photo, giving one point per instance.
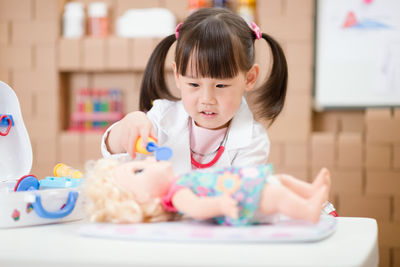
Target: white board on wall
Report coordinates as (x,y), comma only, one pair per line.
(357,53)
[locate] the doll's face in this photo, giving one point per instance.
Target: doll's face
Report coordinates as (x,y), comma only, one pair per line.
(146,179)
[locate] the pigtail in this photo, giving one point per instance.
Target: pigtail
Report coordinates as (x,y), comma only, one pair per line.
(273,91)
(153,83)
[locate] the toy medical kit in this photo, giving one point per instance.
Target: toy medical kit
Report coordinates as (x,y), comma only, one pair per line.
(161,153)
(63,170)
(22,201)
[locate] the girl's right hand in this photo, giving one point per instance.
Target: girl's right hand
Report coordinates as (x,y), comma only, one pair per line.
(123,136)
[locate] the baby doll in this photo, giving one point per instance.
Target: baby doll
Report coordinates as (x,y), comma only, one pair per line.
(148,190)
(117,194)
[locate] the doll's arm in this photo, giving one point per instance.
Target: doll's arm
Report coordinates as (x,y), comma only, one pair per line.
(197,207)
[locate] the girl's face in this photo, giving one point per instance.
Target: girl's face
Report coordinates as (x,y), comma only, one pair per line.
(211,102)
(146,179)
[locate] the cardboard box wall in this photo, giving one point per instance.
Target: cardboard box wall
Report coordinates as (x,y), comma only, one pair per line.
(298,132)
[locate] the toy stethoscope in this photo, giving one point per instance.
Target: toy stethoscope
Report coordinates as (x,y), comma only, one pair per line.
(219,151)
(6,120)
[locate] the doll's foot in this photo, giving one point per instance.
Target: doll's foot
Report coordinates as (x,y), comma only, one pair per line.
(323,179)
(315,204)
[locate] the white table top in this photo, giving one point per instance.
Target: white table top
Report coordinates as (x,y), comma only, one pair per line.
(353,244)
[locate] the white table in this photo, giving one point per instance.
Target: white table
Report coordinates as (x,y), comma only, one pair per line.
(353,244)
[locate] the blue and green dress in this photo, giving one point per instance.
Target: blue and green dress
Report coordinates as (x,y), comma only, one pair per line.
(244,184)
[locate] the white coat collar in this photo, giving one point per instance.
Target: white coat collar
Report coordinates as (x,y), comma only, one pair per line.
(174,123)
(175,120)
(241,128)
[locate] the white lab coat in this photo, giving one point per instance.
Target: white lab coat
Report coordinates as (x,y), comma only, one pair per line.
(247,142)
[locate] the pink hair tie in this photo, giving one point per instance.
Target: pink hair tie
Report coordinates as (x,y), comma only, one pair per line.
(256,30)
(177,29)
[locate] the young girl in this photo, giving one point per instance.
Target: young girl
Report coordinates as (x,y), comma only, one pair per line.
(212,124)
(149,191)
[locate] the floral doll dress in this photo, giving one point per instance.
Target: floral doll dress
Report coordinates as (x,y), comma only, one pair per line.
(244,184)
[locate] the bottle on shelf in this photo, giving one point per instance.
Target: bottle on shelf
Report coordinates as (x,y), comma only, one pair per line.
(73,20)
(98,19)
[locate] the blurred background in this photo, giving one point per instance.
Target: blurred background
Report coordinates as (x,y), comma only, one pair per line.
(76,67)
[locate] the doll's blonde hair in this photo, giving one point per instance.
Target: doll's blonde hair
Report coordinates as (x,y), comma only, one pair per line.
(109,202)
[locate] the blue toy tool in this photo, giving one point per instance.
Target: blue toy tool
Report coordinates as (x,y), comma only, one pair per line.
(6,120)
(60,182)
(27,183)
(30,182)
(161,153)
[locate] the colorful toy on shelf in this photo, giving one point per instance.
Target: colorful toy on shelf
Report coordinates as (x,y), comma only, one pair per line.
(96,109)
(161,153)
(63,170)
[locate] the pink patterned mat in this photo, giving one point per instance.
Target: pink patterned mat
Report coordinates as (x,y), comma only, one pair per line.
(284,231)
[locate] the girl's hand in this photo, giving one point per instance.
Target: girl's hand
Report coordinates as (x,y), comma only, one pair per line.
(123,136)
(228,206)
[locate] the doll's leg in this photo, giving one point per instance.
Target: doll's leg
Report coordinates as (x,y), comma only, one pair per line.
(305,189)
(323,178)
(280,199)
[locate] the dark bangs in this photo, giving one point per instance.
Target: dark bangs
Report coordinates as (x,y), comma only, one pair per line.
(210,50)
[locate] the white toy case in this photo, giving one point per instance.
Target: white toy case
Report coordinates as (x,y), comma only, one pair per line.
(31,206)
